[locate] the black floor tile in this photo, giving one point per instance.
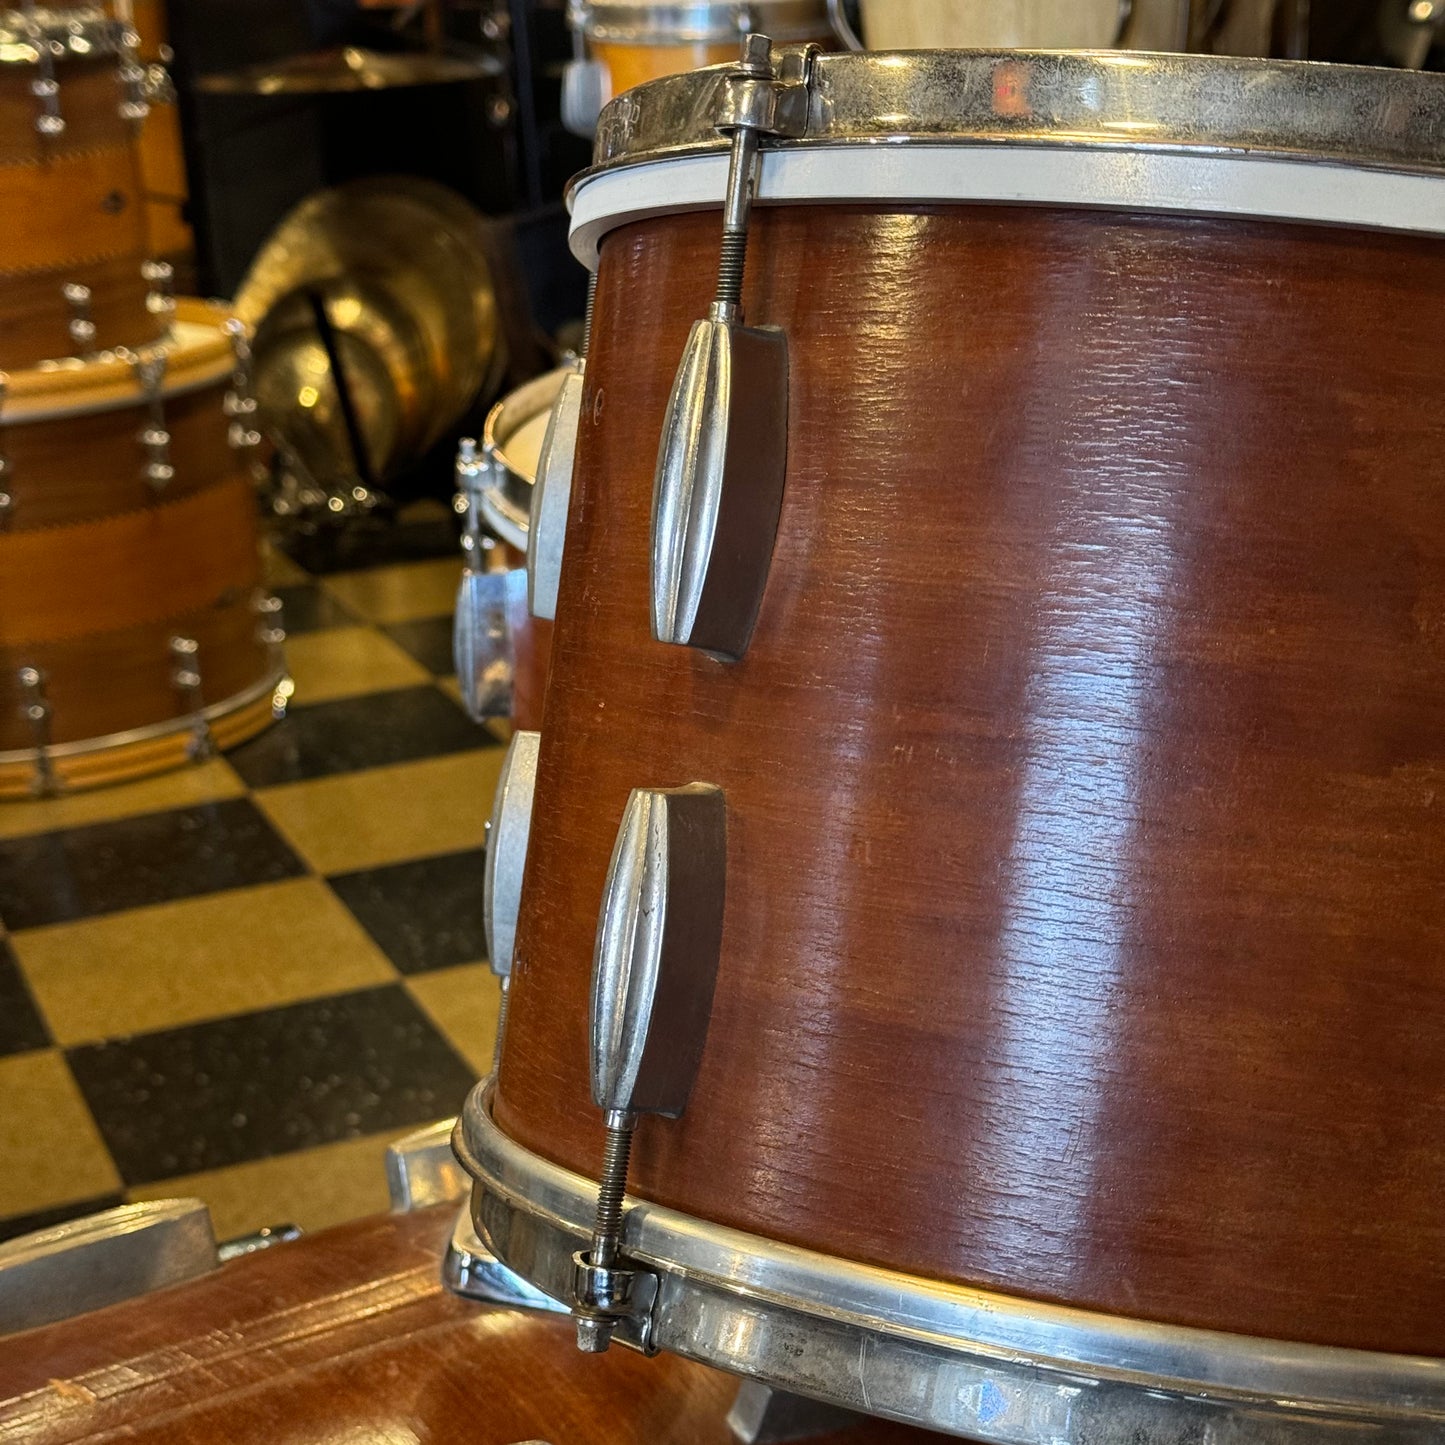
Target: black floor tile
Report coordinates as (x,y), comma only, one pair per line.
(423,914)
(429,641)
(131,862)
(306,607)
(378,542)
(18,1224)
(21,1027)
(357,732)
(256,1085)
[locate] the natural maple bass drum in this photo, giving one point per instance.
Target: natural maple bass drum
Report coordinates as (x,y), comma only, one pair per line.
(977,950)
(135,633)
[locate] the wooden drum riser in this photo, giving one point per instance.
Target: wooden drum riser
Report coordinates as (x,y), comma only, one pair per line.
(1084,920)
(74,217)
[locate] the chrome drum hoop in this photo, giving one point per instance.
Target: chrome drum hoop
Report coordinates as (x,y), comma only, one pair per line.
(703,22)
(1120,100)
(997,1369)
(506,502)
(84,32)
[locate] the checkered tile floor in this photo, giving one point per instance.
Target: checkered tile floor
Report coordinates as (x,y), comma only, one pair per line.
(241,980)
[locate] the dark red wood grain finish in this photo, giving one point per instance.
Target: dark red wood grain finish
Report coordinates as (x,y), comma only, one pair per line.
(348,1336)
(1085,777)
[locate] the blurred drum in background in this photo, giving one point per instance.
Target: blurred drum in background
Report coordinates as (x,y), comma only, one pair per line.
(134,633)
(74,274)
(1219,27)
(501,650)
(620,43)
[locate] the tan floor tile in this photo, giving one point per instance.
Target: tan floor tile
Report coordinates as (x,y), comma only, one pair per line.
(313,1188)
(348,661)
(401,593)
(384,815)
(50,1152)
(463,1003)
(207,783)
(177,963)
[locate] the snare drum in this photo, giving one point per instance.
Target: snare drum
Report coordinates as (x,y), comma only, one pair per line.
(989,787)
(74,280)
(501,649)
(133,631)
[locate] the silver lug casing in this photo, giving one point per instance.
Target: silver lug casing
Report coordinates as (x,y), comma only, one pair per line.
(659,941)
(551,497)
(718,490)
(508,833)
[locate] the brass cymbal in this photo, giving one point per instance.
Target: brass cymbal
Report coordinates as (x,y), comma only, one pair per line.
(346,68)
(396,265)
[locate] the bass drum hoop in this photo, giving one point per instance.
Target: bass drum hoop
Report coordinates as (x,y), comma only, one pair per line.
(997,1369)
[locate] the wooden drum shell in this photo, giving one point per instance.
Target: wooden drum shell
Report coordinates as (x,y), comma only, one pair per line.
(99,570)
(74,213)
(1083,919)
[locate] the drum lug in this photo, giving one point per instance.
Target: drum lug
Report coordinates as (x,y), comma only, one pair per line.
(133,76)
(150,372)
(37,712)
(659,942)
(609,1297)
(45,88)
(160,278)
(722,463)
(509,830)
(186,679)
(718,492)
(81,326)
(240,401)
(552,496)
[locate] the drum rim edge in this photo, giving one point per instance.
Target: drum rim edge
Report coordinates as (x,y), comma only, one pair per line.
(150,732)
(1354,115)
(730,1300)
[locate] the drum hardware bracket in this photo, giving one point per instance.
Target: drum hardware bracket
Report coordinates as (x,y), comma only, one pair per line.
(186,678)
(150,372)
(722,462)
(271,629)
(240,400)
(37,712)
(659,942)
(81,326)
(133,76)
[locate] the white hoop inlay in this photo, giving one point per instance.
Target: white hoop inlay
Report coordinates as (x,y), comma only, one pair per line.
(1196,183)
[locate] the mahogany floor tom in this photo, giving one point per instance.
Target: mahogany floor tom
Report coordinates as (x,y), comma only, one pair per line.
(977,908)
